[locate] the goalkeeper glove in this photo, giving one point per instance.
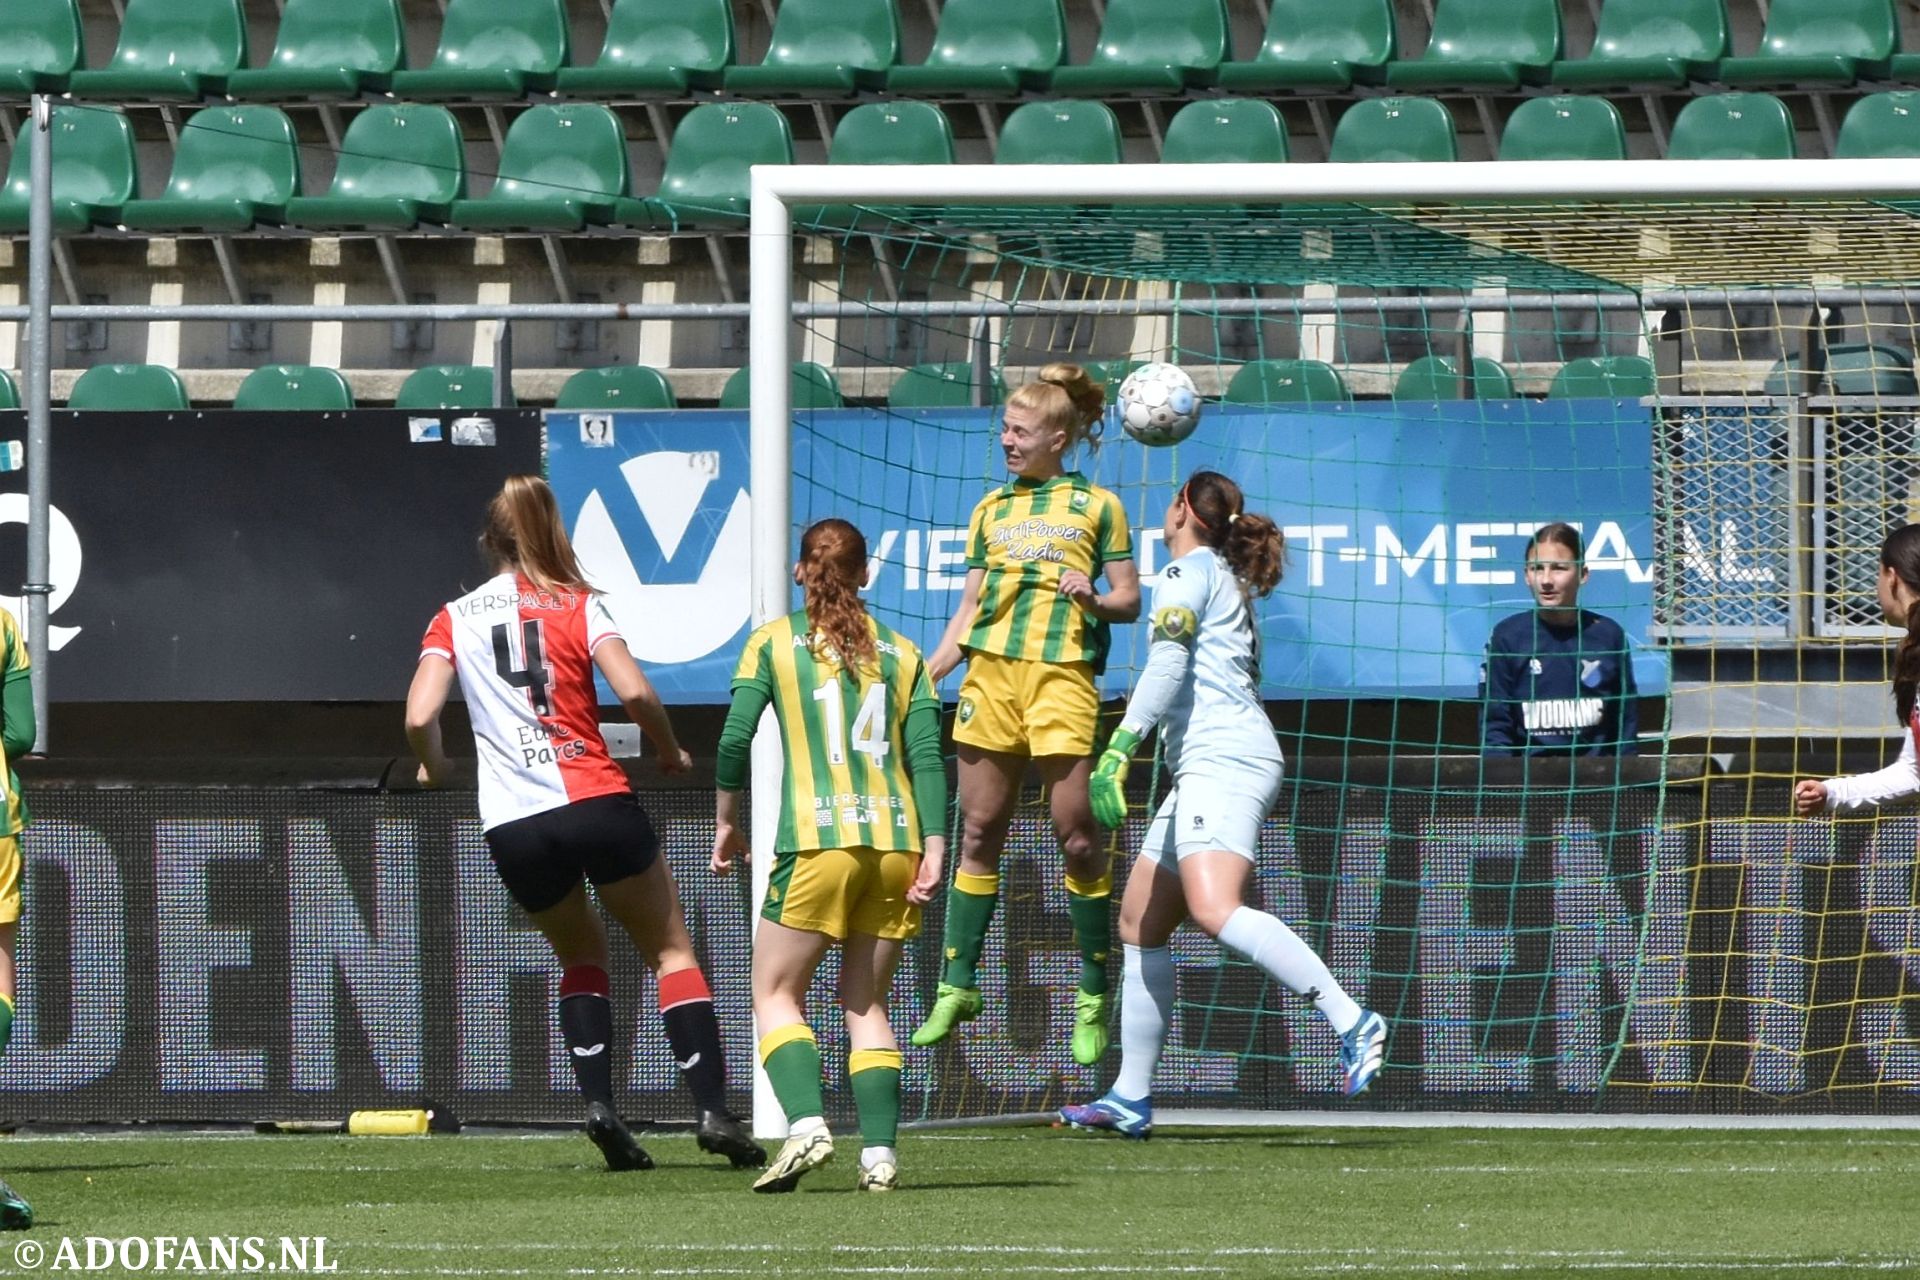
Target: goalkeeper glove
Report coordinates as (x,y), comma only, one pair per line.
(1108,790)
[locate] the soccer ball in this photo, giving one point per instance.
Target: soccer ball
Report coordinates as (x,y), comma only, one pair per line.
(1158,404)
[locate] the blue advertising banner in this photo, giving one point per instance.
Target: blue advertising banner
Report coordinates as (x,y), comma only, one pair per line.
(1406,524)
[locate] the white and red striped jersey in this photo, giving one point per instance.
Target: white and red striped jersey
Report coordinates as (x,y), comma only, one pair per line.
(525,661)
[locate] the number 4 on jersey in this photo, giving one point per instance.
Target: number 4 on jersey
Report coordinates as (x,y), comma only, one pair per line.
(535,676)
(869,724)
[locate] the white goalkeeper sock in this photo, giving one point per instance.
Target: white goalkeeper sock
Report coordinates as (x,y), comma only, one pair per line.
(1146,1009)
(1268,942)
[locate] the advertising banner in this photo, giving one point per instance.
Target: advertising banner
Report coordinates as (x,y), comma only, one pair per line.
(1406,525)
(284,953)
(221,556)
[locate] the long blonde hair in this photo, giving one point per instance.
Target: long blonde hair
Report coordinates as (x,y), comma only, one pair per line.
(524,531)
(1066,399)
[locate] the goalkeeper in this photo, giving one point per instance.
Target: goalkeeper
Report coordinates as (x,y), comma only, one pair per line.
(1201,684)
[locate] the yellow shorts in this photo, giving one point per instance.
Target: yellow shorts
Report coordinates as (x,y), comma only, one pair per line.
(1027,708)
(9,879)
(843,891)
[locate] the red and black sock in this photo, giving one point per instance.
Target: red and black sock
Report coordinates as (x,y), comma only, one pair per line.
(586,1021)
(686,1006)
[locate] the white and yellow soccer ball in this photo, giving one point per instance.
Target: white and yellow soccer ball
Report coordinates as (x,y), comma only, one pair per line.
(1159,405)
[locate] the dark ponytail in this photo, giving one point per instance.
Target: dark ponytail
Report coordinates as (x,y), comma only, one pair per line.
(1901,553)
(1252,545)
(833,565)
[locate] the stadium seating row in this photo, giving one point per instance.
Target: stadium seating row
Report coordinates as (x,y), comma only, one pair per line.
(564,166)
(1862,369)
(185,50)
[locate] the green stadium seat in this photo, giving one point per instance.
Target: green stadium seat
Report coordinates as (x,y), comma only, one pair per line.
(1819,42)
(822,47)
(1485,44)
(447,386)
(1439,378)
(892,132)
(705,184)
(657,49)
(327,49)
(1310,44)
(991,48)
(235,166)
(491,49)
(128,386)
(941,386)
(398,166)
(293,386)
(1285,382)
(1854,369)
(1394,129)
(1881,126)
(1650,44)
(1604,378)
(9,393)
(1064,132)
(617,386)
(1564,128)
(813,387)
(41,44)
(564,165)
(1732,126)
(1226,131)
(1110,374)
(94,171)
(169,50)
(1151,47)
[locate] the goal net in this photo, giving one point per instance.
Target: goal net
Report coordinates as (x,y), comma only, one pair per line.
(1706,369)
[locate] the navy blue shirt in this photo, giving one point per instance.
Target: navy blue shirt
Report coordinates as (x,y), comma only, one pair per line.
(1548,689)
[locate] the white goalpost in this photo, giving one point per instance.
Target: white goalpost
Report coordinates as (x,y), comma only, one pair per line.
(1812,232)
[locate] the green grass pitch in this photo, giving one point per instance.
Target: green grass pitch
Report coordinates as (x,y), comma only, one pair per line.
(1202,1202)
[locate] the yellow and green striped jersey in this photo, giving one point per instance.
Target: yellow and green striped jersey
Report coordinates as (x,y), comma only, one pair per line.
(14,665)
(843,734)
(1026,535)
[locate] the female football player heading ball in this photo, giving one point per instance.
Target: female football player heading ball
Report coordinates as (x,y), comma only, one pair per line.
(1201,686)
(1032,629)
(865,793)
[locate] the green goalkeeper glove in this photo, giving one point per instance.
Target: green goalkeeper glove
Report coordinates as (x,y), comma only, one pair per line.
(1109,788)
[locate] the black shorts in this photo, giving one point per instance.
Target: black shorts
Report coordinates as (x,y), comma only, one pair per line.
(541,858)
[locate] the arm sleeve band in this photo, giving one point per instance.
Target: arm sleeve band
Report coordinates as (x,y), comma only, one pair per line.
(1895,782)
(16,706)
(734,760)
(928,767)
(1166,671)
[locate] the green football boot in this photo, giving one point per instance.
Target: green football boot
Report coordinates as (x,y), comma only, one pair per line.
(951,1007)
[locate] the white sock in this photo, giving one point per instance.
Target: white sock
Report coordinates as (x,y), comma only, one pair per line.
(805,1125)
(871,1156)
(1268,942)
(1146,1010)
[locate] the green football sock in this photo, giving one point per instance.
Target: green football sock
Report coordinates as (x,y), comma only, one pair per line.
(1087,907)
(970,905)
(875,1076)
(6,1022)
(792,1059)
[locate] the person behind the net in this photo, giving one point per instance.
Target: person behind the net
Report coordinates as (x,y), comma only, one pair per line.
(1032,629)
(865,793)
(18,728)
(1201,688)
(1558,679)
(1899,594)
(559,812)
